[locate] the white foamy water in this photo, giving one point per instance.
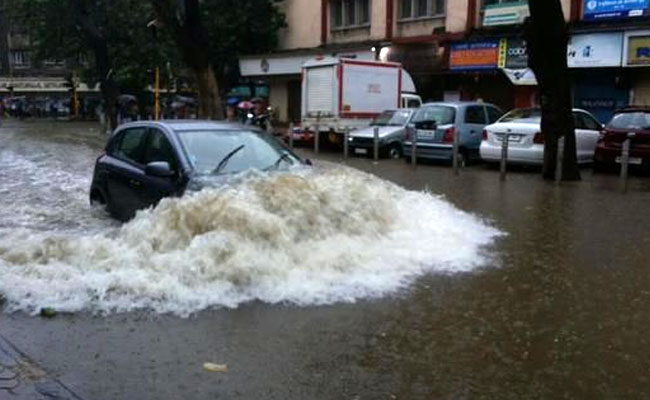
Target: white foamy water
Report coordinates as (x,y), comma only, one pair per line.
(307,238)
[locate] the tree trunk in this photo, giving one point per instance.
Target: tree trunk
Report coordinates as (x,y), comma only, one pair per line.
(547,38)
(183,17)
(209,98)
(97,41)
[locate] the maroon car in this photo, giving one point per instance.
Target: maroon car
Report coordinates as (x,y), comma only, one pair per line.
(633,122)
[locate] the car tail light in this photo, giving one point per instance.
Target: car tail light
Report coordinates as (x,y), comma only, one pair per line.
(409,133)
(485,134)
(449,135)
(601,136)
(538,138)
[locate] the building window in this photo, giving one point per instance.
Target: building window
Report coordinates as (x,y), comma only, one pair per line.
(410,9)
(18,58)
(350,13)
(487,3)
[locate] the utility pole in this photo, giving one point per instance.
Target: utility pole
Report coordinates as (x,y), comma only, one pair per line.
(157,106)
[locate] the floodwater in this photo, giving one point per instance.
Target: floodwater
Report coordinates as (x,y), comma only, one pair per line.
(328,285)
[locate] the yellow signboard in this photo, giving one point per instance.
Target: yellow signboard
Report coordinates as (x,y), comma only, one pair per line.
(638,50)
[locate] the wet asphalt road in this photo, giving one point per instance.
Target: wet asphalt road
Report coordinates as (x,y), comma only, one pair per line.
(561,313)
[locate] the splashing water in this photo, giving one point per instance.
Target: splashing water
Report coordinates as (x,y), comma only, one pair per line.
(308,238)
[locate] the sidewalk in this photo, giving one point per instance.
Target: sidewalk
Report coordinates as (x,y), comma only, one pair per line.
(21,378)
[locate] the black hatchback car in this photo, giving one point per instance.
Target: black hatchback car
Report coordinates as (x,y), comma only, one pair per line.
(147,161)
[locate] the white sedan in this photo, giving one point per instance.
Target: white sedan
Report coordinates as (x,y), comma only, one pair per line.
(526,141)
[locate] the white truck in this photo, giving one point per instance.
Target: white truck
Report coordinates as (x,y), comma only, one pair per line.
(340,93)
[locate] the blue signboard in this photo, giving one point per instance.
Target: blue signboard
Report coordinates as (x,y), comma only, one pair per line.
(601,9)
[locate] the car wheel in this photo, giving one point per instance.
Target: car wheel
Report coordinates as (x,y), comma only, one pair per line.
(394,151)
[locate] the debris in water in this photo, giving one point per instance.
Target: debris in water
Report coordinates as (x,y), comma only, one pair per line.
(48,312)
(215,367)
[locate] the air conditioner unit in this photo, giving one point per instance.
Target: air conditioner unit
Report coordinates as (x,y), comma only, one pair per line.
(506,14)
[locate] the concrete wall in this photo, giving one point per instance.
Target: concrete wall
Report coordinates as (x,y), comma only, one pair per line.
(279,97)
(304,24)
(456,20)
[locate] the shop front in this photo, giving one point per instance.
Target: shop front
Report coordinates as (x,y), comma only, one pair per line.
(601,85)
(495,71)
(637,60)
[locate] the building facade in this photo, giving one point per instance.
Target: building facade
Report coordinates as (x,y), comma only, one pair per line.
(463,49)
(20,74)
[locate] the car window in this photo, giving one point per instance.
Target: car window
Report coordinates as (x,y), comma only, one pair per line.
(442,115)
(630,120)
(528,114)
(493,114)
(591,123)
(159,149)
(475,115)
(578,122)
(413,103)
(244,150)
(131,146)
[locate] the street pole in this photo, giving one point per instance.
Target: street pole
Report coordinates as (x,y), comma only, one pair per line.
(414,147)
(625,159)
(504,155)
(316,139)
(560,157)
(455,152)
(346,139)
(157,105)
(291,135)
(375,144)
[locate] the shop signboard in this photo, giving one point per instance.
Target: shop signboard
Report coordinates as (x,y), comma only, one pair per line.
(474,55)
(513,53)
(637,49)
(604,9)
(595,50)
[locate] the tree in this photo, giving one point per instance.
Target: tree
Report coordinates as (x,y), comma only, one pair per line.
(113,32)
(183,19)
(547,38)
(212,33)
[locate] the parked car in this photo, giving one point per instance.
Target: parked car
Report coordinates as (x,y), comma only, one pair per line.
(391,126)
(301,136)
(435,125)
(146,161)
(526,139)
(634,122)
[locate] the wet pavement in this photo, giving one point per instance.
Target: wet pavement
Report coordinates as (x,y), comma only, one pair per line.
(560,311)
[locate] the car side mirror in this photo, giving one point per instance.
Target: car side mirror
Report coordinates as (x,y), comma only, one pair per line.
(160,169)
(428,125)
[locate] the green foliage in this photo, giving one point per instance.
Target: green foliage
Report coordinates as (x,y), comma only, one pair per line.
(234,28)
(134,51)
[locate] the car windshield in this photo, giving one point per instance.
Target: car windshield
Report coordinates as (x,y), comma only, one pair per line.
(523,114)
(631,120)
(226,151)
(392,118)
(442,115)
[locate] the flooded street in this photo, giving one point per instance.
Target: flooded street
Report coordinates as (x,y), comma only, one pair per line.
(335,284)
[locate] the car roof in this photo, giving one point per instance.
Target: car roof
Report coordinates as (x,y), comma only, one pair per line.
(457,103)
(632,109)
(189,125)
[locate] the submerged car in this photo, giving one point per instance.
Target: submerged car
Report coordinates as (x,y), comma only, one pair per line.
(146,161)
(526,139)
(436,124)
(391,128)
(630,122)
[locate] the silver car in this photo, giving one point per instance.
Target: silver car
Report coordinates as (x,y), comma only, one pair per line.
(391,126)
(436,124)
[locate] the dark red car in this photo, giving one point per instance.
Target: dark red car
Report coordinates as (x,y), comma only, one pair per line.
(633,122)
